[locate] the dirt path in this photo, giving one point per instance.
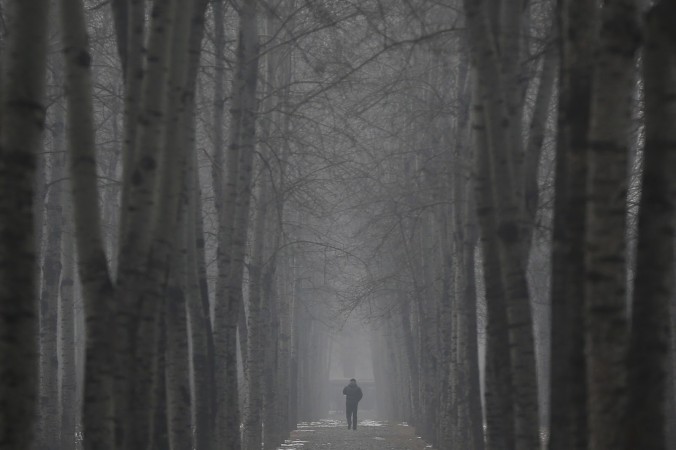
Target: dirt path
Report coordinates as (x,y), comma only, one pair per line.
(370,435)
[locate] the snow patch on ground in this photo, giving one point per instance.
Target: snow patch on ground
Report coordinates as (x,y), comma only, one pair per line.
(371,423)
(324,423)
(332,423)
(292,445)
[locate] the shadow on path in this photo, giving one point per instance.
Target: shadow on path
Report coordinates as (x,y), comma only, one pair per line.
(331,434)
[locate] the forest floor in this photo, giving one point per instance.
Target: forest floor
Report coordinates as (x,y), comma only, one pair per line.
(332,434)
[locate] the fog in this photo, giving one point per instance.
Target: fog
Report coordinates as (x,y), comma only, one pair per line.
(215,214)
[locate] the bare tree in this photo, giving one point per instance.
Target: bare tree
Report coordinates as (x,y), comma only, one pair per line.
(22,118)
(500,102)
(92,265)
(605,270)
(653,293)
(568,404)
(233,229)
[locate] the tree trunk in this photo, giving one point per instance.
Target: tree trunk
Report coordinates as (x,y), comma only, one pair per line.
(284,344)
(175,179)
(49,298)
(178,364)
(252,434)
(272,434)
(568,390)
(504,167)
(605,280)
(92,265)
(131,47)
(219,106)
(200,327)
(411,358)
(22,118)
(232,239)
(649,356)
(158,432)
(69,411)
(146,247)
(536,132)
(200,323)
(498,393)
(467,236)
(294,363)
(197,296)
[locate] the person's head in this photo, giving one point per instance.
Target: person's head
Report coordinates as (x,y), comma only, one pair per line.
(353,381)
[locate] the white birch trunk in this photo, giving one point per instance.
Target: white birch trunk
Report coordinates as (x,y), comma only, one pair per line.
(200,324)
(22,117)
(649,357)
(219,107)
(504,167)
(252,434)
(196,295)
(536,135)
(92,265)
(131,53)
(69,411)
(568,390)
(49,300)
(605,281)
(232,236)
(498,393)
(177,356)
(170,230)
(144,250)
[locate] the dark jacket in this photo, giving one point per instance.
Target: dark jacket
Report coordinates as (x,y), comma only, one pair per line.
(352,393)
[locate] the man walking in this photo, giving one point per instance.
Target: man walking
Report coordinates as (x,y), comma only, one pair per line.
(352,394)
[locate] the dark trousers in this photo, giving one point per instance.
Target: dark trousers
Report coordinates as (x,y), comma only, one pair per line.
(351,412)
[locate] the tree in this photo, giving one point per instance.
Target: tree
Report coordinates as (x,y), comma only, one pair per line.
(97,286)
(22,118)
(651,326)
(498,89)
(234,226)
(605,244)
(568,420)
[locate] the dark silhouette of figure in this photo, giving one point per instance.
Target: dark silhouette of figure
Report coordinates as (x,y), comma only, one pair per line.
(352,394)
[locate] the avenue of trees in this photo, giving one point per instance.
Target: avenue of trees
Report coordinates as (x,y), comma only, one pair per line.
(196,194)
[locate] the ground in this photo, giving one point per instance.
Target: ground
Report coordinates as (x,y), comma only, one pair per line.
(332,434)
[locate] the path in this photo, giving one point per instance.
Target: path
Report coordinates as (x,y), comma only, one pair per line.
(331,434)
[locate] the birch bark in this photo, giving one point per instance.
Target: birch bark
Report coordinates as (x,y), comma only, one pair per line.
(130,20)
(649,356)
(69,412)
(284,354)
(537,130)
(144,250)
(233,231)
(200,324)
(252,434)
(22,117)
(197,289)
(605,277)
(49,296)
(171,227)
(179,421)
(92,265)
(504,168)
(498,393)
(578,26)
